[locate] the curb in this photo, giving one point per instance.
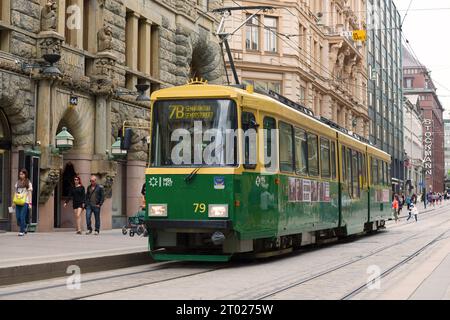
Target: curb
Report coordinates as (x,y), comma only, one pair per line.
(42,271)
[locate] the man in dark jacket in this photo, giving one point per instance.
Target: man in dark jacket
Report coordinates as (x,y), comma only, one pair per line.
(95,196)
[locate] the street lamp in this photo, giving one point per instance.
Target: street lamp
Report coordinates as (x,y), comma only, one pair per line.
(47,70)
(64,140)
(116,151)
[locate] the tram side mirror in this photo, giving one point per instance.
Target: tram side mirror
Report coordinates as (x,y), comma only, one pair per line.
(125,142)
(253,124)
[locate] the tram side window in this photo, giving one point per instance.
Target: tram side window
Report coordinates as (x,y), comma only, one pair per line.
(374,171)
(333,160)
(250,156)
(355,174)
(313,154)
(269,124)
(386,174)
(344,165)
(380,172)
(348,161)
(301,152)
(389,174)
(325,157)
(360,172)
(286,147)
(364,169)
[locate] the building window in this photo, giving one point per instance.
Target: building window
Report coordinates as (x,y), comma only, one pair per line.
(203,4)
(408,82)
(73,28)
(264,85)
(252,34)
(270,34)
(302,95)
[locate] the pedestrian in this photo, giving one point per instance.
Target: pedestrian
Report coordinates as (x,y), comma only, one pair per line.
(424,198)
(22,200)
(401,202)
(414,198)
(413,210)
(78,197)
(395,208)
(142,206)
(408,202)
(95,196)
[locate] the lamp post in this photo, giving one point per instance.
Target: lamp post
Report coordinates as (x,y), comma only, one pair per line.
(64,140)
(116,151)
(48,69)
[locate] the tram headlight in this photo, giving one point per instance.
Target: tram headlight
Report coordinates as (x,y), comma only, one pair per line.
(218,211)
(157,210)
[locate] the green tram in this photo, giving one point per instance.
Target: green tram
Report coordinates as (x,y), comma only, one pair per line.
(312,180)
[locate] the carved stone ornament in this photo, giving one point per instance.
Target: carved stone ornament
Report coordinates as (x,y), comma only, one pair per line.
(49,16)
(48,180)
(50,45)
(104,37)
(107,182)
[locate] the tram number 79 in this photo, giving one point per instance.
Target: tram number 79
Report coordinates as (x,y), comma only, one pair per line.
(199,207)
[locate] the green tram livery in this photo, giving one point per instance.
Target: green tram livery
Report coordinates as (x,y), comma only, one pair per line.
(311,180)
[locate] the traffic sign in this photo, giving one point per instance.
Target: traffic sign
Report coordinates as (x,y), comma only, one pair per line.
(359,35)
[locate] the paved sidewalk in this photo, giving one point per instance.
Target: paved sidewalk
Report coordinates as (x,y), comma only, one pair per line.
(43,255)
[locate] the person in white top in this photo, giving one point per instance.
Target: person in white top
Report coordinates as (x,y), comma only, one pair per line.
(413,210)
(23,190)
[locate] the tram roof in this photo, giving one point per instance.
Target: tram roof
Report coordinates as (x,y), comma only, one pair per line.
(222,91)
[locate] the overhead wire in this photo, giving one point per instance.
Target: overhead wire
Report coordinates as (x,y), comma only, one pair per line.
(308,57)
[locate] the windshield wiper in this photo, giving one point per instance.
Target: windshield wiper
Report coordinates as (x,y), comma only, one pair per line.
(189,178)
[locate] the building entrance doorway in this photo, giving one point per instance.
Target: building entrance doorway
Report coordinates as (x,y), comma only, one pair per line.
(5,172)
(62,192)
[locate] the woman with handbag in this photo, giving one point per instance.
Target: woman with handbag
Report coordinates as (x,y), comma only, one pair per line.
(22,199)
(78,195)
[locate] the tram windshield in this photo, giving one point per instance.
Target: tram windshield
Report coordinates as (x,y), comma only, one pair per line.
(194,133)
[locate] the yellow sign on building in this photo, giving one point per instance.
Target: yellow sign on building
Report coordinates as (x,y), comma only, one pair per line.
(359,35)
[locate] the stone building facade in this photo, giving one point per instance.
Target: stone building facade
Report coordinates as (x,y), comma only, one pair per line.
(418,82)
(106,47)
(300,50)
(413,144)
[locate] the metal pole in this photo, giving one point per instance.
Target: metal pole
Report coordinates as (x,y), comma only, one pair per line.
(230,58)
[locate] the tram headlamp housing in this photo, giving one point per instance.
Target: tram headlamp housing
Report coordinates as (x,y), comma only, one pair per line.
(157,210)
(218,211)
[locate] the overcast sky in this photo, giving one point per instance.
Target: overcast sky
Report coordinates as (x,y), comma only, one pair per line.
(427,31)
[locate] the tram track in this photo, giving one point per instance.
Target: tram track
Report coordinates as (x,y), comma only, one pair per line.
(174,265)
(159,267)
(350,262)
(396,266)
(147,283)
